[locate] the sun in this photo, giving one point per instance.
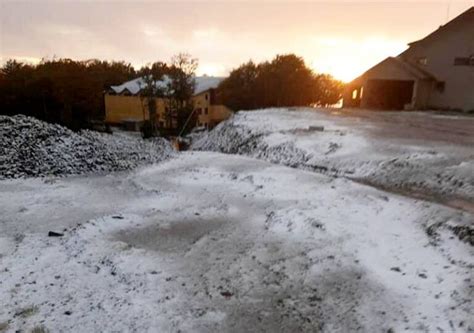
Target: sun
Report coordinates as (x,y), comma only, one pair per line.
(344,72)
(341,69)
(346,58)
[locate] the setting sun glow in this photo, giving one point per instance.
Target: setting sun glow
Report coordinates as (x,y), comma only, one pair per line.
(340,37)
(346,58)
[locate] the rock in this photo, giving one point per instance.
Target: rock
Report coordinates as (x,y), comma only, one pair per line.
(316,128)
(67,313)
(396,269)
(315,298)
(423,275)
(55,234)
(227,294)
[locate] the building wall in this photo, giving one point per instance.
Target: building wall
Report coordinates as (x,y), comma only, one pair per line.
(422,94)
(389,69)
(209,114)
(119,108)
(440,50)
(219,113)
(202,106)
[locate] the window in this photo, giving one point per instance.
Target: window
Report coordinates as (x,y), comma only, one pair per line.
(464,61)
(461,61)
(206,96)
(198,111)
(205,111)
(354,94)
(422,61)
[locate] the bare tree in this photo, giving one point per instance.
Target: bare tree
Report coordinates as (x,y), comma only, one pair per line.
(180,89)
(149,92)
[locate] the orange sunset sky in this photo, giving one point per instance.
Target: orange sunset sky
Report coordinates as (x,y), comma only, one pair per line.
(343,38)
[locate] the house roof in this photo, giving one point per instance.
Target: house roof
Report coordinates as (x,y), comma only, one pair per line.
(413,70)
(418,72)
(467,16)
(203,83)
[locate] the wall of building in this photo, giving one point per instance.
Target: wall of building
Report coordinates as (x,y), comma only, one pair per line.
(119,108)
(219,113)
(389,69)
(362,92)
(202,106)
(436,55)
(208,113)
(422,94)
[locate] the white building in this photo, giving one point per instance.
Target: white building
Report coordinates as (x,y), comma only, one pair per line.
(436,72)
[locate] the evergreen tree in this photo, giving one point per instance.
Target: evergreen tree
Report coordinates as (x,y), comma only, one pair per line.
(61,90)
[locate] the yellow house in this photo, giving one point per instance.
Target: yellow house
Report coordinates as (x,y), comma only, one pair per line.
(208,109)
(125,107)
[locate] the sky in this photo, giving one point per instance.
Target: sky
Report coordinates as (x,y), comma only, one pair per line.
(342,38)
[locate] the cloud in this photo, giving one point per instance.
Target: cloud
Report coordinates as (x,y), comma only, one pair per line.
(221,34)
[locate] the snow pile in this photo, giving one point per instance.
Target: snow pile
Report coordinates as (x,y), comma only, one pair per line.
(30,147)
(332,145)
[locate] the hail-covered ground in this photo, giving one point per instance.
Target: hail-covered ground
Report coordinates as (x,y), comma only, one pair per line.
(422,154)
(213,242)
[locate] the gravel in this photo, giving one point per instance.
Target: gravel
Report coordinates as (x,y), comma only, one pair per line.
(33,148)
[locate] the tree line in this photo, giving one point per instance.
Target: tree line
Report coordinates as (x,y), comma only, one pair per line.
(283,82)
(60,91)
(177,92)
(71,92)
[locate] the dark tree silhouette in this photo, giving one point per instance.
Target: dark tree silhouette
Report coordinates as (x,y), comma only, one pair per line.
(60,91)
(149,93)
(283,82)
(180,90)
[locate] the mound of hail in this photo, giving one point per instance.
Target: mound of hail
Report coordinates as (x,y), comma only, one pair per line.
(33,148)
